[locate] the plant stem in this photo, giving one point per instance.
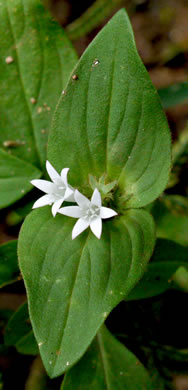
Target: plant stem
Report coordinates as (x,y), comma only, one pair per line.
(92,18)
(37,377)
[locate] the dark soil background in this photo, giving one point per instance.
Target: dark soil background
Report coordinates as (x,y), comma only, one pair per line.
(161,33)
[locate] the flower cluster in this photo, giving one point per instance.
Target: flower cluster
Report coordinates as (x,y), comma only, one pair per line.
(89,212)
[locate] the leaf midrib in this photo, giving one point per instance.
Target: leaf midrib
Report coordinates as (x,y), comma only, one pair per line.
(104,360)
(70,300)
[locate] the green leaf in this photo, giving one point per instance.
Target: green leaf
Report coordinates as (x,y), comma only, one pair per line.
(171,223)
(19,333)
(27,344)
(167,258)
(93,17)
(9,270)
(177,203)
(107,365)
(40,60)
(73,285)
(174,94)
(15,177)
(180,149)
(5,314)
(110,121)
(21,210)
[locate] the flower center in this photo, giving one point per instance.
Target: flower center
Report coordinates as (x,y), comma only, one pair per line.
(92,212)
(60,191)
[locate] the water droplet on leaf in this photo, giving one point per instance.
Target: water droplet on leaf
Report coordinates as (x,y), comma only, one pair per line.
(96,62)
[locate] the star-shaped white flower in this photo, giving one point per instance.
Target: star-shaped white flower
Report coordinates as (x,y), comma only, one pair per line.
(56,191)
(90,213)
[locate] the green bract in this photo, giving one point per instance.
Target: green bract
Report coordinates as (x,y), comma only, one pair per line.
(109,129)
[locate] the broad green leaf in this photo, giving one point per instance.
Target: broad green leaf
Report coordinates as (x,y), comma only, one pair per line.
(73,285)
(19,333)
(9,270)
(40,59)
(107,365)
(15,177)
(110,121)
(174,94)
(167,258)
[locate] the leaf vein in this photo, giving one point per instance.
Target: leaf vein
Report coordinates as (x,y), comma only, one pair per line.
(110,104)
(104,360)
(135,139)
(70,301)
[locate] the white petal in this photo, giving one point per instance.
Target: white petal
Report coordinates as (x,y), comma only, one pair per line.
(52,172)
(96,198)
(107,213)
(81,199)
(69,195)
(71,211)
(70,198)
(43,201)
(57,204)
(96,227)
(44,185)
(64,174)
(79,227)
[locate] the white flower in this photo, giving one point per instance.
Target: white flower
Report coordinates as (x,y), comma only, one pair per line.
(56,191)
(90,213)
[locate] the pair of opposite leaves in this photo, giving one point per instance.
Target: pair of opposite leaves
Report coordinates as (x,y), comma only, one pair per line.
(109,120)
